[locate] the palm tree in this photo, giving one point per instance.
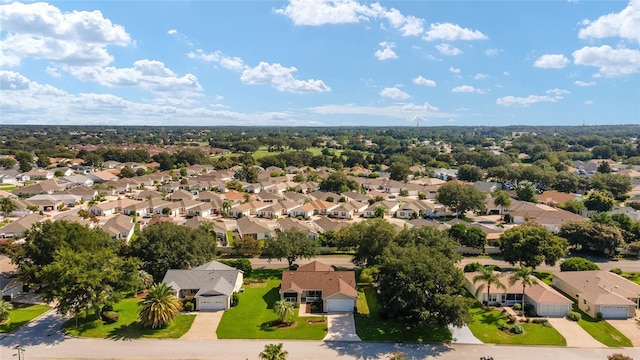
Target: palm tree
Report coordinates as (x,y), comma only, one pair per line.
(488,276)
(283,308)
(159,306)
(226,206)
(502,199)
(146,280)
(524,274)
(274,352)
(379,212)
(7,206)
(5,308)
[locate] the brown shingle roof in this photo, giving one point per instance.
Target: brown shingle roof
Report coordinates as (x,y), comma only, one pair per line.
(328,281)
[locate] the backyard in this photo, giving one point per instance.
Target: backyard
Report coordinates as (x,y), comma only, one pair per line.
(485,326)
(127,327)
(254,318)
(22,314)
(370,326)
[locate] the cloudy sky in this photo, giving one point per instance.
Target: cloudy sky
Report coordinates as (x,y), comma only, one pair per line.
(313,62)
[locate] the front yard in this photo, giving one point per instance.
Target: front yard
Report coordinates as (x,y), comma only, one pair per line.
(254,317)
(370,326)
(602,331)
(485,326)
(22,314)
(127,326)
(632,276)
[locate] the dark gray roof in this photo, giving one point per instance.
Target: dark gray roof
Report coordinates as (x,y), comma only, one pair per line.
(212,277)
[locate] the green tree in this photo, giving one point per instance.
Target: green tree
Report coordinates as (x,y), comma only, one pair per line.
(368,238)
(461,198)
(575,206)
(7,163)
(418,284)
(578,264)
(525,275)
(618,185)
(501,199)
(5,309)
(488,277)
(399,171)
(338,182)
(599,201)
(127,172)
(526,192)
(530,244)
(566,182)
(284,309)
(159,307)
(468,236)
(469,173)
(589,236)
(604,168)
(274,352)
(290,244)
(25,159)
(169,246)
(379,212)
(43,161)
(634,247)
(7,205)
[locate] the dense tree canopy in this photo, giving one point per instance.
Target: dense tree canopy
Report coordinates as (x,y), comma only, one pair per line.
(338,182)
(530,244)
(169,246)
(589,236)
(461,198)
(290,244)
(578,264)
(368,238)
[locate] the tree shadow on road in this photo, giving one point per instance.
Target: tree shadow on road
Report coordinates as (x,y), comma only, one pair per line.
(379,350)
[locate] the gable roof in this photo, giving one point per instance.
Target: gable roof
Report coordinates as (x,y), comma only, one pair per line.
(540,292)
(212,277)
(330,282)
(601,287)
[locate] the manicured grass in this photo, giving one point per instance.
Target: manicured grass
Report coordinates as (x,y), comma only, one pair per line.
(545,276)
(22,314)
(602,331)
(254,317)
(485,327)
(262,152)
(127,326)
(633,276)
(370,327)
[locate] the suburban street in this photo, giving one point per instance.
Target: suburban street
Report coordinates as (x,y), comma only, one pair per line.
(42,340)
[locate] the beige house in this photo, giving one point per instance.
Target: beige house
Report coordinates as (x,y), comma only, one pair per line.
(601,292)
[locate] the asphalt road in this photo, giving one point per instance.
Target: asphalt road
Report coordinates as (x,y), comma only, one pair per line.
(345,261)
(42,340)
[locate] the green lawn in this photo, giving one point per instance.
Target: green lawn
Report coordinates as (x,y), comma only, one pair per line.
(633,276)
(22,314)
(254,316)
(485,327)
(545,276)
(602,331)
(128,326)
(370,327)
(262,152)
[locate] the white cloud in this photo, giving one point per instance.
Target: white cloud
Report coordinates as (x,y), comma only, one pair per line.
(408,112)
(551,61)
(451,32)
(454,70)
(611,62)
(506,73)
(446,49)
(386,52)
(584,83)
(53,71)
(524,101)
(281,78)
(492,52)
(42,31)
(172,32)
(227,62)
(467,89)
(148,74)
(625,24)
(394,93)
(480,76)
(588,102)
(422,81)
(558,92)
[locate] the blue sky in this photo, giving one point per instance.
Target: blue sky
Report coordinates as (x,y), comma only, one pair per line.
(308,63)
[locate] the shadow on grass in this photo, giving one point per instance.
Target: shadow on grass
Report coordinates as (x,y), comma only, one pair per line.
(491,318)
(269,325)
(131,331)
(271,297)
(265,274)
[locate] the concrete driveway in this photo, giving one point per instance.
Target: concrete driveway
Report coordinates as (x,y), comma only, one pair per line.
(575,335)
(463,335)
(630,328)
(341,327)
(204,326)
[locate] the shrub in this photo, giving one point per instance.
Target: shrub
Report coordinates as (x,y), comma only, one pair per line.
(235,299)
(503,326)
(538,321)
(574,316)
(616,271)
(530,311)
(189,306)
(546,324)
(517,306)
(107,308)
(578,264)
(296,305)
(619,357)
(511,319)
(110,317)
(367,275)
(517,329)
(294,267)
(599,316)
(472,267)
(241,264)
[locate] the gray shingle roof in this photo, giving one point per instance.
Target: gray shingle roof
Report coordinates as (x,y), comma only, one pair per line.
(207,281)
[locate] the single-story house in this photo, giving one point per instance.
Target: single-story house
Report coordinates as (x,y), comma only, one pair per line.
(119,227)
(16,229)
(546,300)
(313,281)
(600,291)
(211,285)
(11,287)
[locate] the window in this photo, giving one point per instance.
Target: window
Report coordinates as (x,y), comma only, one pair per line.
(584,301)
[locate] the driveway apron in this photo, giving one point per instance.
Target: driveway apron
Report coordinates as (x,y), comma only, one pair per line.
(341,327)
(630,328)
(204,326)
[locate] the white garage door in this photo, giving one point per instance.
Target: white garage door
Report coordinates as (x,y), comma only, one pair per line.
(212,303)
(340,305)
(553,310)
(614,312)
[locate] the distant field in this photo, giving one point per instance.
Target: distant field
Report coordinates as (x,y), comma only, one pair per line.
(262,152)
(7,187)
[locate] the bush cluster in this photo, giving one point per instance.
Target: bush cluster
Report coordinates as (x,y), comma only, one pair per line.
(517,329)
(189,306)
(235,299)
(574,316)
(110,317)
